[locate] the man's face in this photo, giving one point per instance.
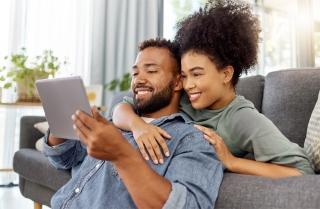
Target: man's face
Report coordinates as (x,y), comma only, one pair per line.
(152,79)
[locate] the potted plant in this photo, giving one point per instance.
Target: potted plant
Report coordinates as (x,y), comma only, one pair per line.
(122,84)
(23,71)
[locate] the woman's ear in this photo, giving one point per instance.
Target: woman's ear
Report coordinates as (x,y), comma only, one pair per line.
(178,83)
(228,74)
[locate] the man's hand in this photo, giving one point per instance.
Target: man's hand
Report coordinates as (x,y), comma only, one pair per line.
(103,140)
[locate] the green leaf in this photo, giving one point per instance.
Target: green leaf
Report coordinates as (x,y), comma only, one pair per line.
(7,85)
(112,85)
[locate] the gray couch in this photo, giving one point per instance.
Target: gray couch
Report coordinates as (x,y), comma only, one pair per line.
(286,97)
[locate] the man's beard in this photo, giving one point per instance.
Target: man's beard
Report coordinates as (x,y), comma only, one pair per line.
(156,102)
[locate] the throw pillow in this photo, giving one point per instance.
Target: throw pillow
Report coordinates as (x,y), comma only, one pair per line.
(43,128)
(312,142)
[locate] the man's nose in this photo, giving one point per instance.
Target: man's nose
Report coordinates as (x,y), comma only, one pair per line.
(140,79)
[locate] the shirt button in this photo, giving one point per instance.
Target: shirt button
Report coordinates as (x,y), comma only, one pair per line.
(77,190)
(98,165)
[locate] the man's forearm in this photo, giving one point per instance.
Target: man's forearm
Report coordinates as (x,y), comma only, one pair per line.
(252,167)
(124,117)
(147,188)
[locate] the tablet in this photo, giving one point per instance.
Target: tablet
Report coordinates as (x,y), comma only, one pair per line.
(60,98)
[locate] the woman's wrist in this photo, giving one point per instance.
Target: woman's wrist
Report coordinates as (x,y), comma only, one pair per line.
(136,124)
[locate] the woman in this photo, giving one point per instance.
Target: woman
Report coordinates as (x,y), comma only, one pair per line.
(218,44)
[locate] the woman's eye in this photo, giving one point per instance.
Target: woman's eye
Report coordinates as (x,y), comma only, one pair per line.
(196,74)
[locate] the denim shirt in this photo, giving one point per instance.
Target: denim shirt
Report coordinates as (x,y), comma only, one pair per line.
(192,168)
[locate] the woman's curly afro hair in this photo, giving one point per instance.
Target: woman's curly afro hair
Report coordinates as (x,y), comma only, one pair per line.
(226,31)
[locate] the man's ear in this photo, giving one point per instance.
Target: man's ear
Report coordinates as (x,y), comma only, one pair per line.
(228,74)
(178,83)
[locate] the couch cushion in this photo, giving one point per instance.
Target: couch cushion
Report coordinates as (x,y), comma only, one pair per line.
(252,89)
(34,166)
(252,192)
(312,142)
(288,100)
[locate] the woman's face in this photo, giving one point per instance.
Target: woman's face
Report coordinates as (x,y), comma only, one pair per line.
(206,86)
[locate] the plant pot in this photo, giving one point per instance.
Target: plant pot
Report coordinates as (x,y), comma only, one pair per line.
(26,89)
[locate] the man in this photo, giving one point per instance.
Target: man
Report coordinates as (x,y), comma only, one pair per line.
(108,171)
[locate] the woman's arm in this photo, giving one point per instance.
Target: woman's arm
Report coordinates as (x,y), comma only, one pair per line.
(125,118)
(242,165)
(150,138)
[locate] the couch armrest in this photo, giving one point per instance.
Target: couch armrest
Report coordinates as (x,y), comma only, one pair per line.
(243,191)
(28,134)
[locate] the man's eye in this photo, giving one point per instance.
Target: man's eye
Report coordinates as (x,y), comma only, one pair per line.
(134,74)
(152,71)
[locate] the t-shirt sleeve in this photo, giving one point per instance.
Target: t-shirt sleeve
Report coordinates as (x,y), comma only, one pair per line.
(258,135)
(125,100)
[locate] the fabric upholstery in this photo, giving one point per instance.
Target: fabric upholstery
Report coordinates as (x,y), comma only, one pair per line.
(252,89)
(252,192)
(34,166)
(288,100)
(312,142)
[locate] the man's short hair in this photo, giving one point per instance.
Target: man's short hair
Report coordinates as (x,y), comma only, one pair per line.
(172,46)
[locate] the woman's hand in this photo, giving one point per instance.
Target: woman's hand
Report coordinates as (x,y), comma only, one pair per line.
(151,140)
(223,153)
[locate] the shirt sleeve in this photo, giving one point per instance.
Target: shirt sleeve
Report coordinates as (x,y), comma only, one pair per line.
(125,100)
(258,135)
(195,175)
(65,155)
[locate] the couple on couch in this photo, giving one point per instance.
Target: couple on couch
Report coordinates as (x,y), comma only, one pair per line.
(108,171)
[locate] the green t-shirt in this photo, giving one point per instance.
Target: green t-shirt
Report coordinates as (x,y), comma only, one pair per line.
(245,130)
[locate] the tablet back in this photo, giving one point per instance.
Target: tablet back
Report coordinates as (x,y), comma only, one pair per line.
(60,98)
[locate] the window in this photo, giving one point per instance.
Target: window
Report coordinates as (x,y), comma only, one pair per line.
(175,10)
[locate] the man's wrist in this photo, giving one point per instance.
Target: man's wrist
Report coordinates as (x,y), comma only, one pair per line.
(127,157)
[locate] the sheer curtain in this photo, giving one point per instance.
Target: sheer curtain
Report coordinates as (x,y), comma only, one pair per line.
(62,26)
(59,25)
(118,27)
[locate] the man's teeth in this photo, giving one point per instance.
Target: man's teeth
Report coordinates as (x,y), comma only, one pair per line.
(143,92)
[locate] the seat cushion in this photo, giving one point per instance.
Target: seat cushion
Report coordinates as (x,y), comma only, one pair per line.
(35,167)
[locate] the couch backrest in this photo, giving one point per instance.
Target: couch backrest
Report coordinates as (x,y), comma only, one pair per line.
(289,98)
(252,89)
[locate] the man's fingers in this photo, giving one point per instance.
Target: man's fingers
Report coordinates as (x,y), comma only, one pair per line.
(142,149)
(89,121)
(97,115)
(81,135)
(79,125)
